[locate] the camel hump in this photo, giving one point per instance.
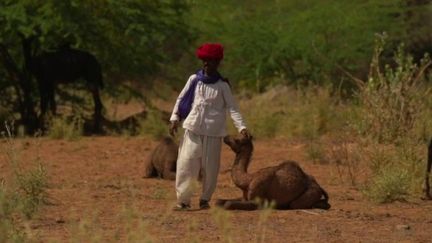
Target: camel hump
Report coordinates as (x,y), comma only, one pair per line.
(290,163)
(167,149)
(292,166)
(168,140)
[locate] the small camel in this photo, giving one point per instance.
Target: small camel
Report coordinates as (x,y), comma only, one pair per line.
(162,162)
(427,191)
(286,184)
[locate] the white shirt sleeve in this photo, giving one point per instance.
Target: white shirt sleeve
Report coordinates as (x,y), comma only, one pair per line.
(174,114)
(232,108)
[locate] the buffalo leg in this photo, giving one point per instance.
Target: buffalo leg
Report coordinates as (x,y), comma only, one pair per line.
(97,109)
(428,171)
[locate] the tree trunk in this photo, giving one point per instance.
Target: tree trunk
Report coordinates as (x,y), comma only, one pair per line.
(24,87)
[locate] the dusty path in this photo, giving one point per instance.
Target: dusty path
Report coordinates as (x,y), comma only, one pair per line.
(98,192)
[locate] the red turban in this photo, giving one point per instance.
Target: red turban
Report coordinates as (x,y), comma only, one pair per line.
(210,51)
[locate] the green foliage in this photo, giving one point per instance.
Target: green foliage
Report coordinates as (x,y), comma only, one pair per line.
(131,39)
(128,37)
(270,42)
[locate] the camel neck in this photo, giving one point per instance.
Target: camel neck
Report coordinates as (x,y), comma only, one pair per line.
(239,171)
(243,160)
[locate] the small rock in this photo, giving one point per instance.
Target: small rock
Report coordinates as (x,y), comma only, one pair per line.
(403,227)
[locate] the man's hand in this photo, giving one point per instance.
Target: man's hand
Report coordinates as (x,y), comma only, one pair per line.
(173,128)
(246,133)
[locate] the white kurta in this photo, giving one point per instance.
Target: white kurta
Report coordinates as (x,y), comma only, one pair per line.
(201,144)
(208,113)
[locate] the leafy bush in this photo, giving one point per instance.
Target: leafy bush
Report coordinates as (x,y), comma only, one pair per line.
(392,98)
(397,172)
(391,184)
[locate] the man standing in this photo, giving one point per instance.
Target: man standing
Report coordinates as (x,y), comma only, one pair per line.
(203,104)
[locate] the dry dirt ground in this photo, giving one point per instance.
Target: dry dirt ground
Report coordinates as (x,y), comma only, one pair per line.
(97,192)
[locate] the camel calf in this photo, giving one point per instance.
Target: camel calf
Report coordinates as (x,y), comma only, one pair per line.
(286,184)
(162,161)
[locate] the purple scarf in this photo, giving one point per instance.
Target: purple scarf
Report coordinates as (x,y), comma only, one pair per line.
(185,104)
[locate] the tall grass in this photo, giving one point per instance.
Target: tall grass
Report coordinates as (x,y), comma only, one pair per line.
(307,112)
(396,172)
(266,210)
(393,102)
(347,158)
(21,195)
(222,219)
(153,126)
(63,128)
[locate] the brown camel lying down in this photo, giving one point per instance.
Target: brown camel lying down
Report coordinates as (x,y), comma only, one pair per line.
(162,162)
(286,184)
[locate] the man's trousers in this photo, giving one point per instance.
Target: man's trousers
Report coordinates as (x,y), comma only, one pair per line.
(197,152)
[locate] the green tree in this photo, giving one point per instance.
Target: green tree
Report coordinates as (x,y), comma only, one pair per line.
(295,41)
(131,39)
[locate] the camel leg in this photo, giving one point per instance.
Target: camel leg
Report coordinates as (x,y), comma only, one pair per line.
(169,175)
(240,205)
(149,170)
(221,202)
(311,198)
(259,191)
(245,195)
(307,199)
(236,204)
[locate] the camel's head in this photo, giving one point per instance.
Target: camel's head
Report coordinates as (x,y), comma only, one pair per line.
(239,143)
